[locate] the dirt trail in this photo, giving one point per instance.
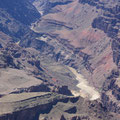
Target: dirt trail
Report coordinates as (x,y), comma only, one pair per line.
(86,90)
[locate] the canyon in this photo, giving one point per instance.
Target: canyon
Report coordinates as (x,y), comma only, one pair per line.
(59,60)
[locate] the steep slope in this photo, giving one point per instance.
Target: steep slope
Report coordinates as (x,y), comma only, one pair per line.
(46,106)
(88,31)
(15,16)
(76,40)
(21,11)
(22,71)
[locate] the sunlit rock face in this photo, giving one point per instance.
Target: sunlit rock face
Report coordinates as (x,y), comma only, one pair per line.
(45,6)
(77,26)
(89,32)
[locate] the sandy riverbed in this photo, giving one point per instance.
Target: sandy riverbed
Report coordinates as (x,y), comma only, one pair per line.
(86,90)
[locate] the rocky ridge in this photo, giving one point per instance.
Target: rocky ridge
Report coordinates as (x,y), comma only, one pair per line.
(49,106)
